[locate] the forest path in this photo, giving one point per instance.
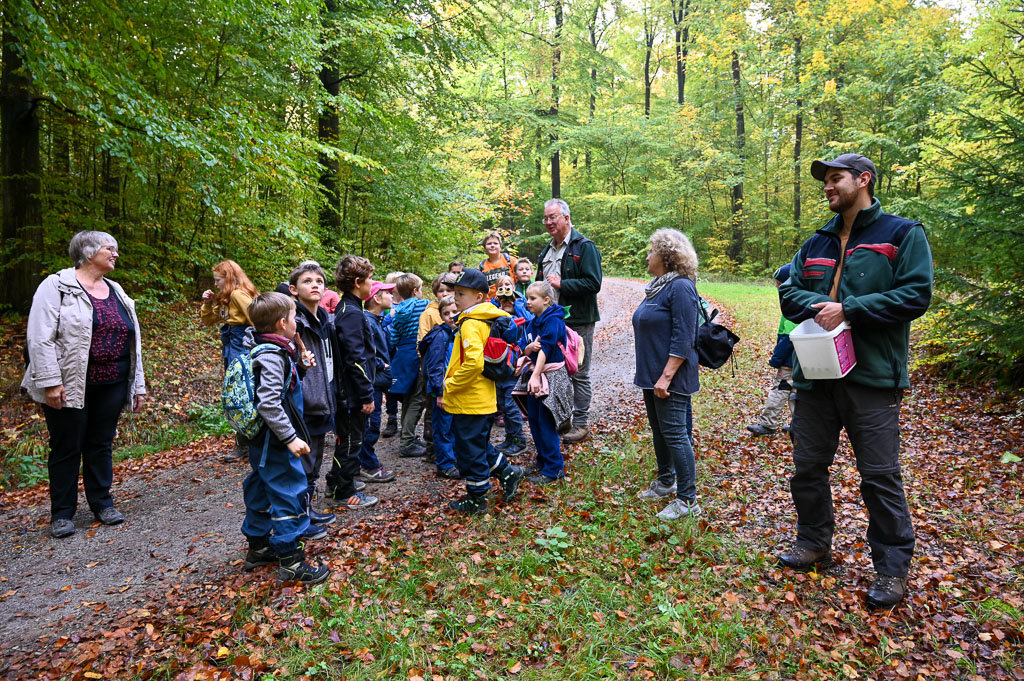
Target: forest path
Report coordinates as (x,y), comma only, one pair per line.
(184,509)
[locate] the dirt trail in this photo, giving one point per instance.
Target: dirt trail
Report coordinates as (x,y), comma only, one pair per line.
(184,519)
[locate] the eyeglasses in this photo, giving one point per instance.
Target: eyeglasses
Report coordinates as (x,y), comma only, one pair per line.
(553,218)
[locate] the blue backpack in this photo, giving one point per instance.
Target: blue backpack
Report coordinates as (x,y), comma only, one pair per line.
(238,396)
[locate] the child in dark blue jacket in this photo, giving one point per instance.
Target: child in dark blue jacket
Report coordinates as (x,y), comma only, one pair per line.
(275,515)
(435,349)
(376,306)
(543,335)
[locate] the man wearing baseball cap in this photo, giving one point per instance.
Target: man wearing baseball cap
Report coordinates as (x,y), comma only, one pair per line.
(872,270)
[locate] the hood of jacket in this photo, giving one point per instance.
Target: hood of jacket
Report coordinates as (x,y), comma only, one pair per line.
(484,311)
(554,310)
(317,323)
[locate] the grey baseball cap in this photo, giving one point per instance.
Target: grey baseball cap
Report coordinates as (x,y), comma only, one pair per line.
(856,162)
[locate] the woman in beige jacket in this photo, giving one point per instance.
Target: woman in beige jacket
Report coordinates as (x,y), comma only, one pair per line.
(85,366)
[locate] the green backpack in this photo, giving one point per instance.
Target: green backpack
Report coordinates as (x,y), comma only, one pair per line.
(238,396)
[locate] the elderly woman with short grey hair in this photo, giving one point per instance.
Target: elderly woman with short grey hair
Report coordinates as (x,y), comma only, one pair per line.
(85,366)
(664,335)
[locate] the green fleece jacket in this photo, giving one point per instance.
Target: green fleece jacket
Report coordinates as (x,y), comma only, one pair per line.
(581,279)
(886,282)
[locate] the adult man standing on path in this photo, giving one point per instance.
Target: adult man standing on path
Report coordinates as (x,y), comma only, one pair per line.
(873,270)
(571,263)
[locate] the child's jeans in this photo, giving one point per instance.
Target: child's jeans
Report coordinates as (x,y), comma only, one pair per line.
(444,441)
(545,438)
(508,408)
(392,405)
(475,456)
(367,457)
(274,493)
(349,424)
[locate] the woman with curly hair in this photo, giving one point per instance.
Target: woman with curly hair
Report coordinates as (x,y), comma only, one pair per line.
(665,333)
(229,307)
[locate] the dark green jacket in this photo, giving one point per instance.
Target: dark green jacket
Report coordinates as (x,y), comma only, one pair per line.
(581,278)
(886,282)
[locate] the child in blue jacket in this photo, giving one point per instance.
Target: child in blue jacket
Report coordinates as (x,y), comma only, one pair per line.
(436,348)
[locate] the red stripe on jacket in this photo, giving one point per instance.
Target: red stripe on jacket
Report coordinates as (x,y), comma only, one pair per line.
(827,262)
(888,250)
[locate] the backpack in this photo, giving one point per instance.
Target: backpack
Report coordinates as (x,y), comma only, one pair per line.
(498,356)
(574,351)
(714,342)
(238,396)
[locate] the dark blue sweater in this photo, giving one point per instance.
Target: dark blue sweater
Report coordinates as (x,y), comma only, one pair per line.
(667,326)
(549,327)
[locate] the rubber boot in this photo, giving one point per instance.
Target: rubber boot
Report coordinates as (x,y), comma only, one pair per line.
(259,553)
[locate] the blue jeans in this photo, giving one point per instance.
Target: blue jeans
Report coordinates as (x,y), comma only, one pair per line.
(274,492)
(367,457)
(444,441)
(508,408)
(671,422)
(545,437)
(231,338)
(475,456)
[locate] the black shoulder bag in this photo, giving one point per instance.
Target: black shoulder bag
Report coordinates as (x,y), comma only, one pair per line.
(714,342)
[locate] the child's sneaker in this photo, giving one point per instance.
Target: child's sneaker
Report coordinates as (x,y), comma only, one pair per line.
(259,553)
(376,475)
(512,445)
(679,508)
(358,502)
(510,482)
(451,473)
(293,566)
(470,505)
(314,532)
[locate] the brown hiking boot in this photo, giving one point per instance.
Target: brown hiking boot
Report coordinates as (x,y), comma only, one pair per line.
(885,592)
(804,559)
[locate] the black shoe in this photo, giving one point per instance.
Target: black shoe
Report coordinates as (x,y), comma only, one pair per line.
(315,517)
(413,452)
(61,527)
(110,516)
(804,559)
(538,478)
(885,592)
(470,505)
(390,428)
(239,453)
(313,532)
(512,446)
(428,456)
(451,473)
(259,553)
(510,482)
(293,566)
(758,429)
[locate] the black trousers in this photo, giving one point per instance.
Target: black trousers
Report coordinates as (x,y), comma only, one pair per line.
(349,425)
(871,419)
(82,439)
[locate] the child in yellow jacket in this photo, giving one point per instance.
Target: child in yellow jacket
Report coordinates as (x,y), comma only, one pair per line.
(471,398)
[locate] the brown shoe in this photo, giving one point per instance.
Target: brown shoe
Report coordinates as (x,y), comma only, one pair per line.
(885,592)
(804,559)
(576,434)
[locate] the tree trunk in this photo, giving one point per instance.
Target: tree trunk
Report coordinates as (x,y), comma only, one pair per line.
(22,225)
(799,134)
(328,132)
(682,26)
(556,62)
(735,250)
(593,75)
(649,37)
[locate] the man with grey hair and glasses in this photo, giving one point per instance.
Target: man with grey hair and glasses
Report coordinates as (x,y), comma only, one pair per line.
(571,263)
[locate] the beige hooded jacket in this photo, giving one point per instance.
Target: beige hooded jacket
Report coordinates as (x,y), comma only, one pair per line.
(59,337)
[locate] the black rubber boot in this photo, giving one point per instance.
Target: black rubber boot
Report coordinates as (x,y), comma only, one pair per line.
(315,517)
(470,505)
(293,567)
(259,553)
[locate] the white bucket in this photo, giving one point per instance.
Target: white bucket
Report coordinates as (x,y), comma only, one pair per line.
(823,354)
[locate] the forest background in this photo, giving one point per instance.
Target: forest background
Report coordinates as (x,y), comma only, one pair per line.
(271,132)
